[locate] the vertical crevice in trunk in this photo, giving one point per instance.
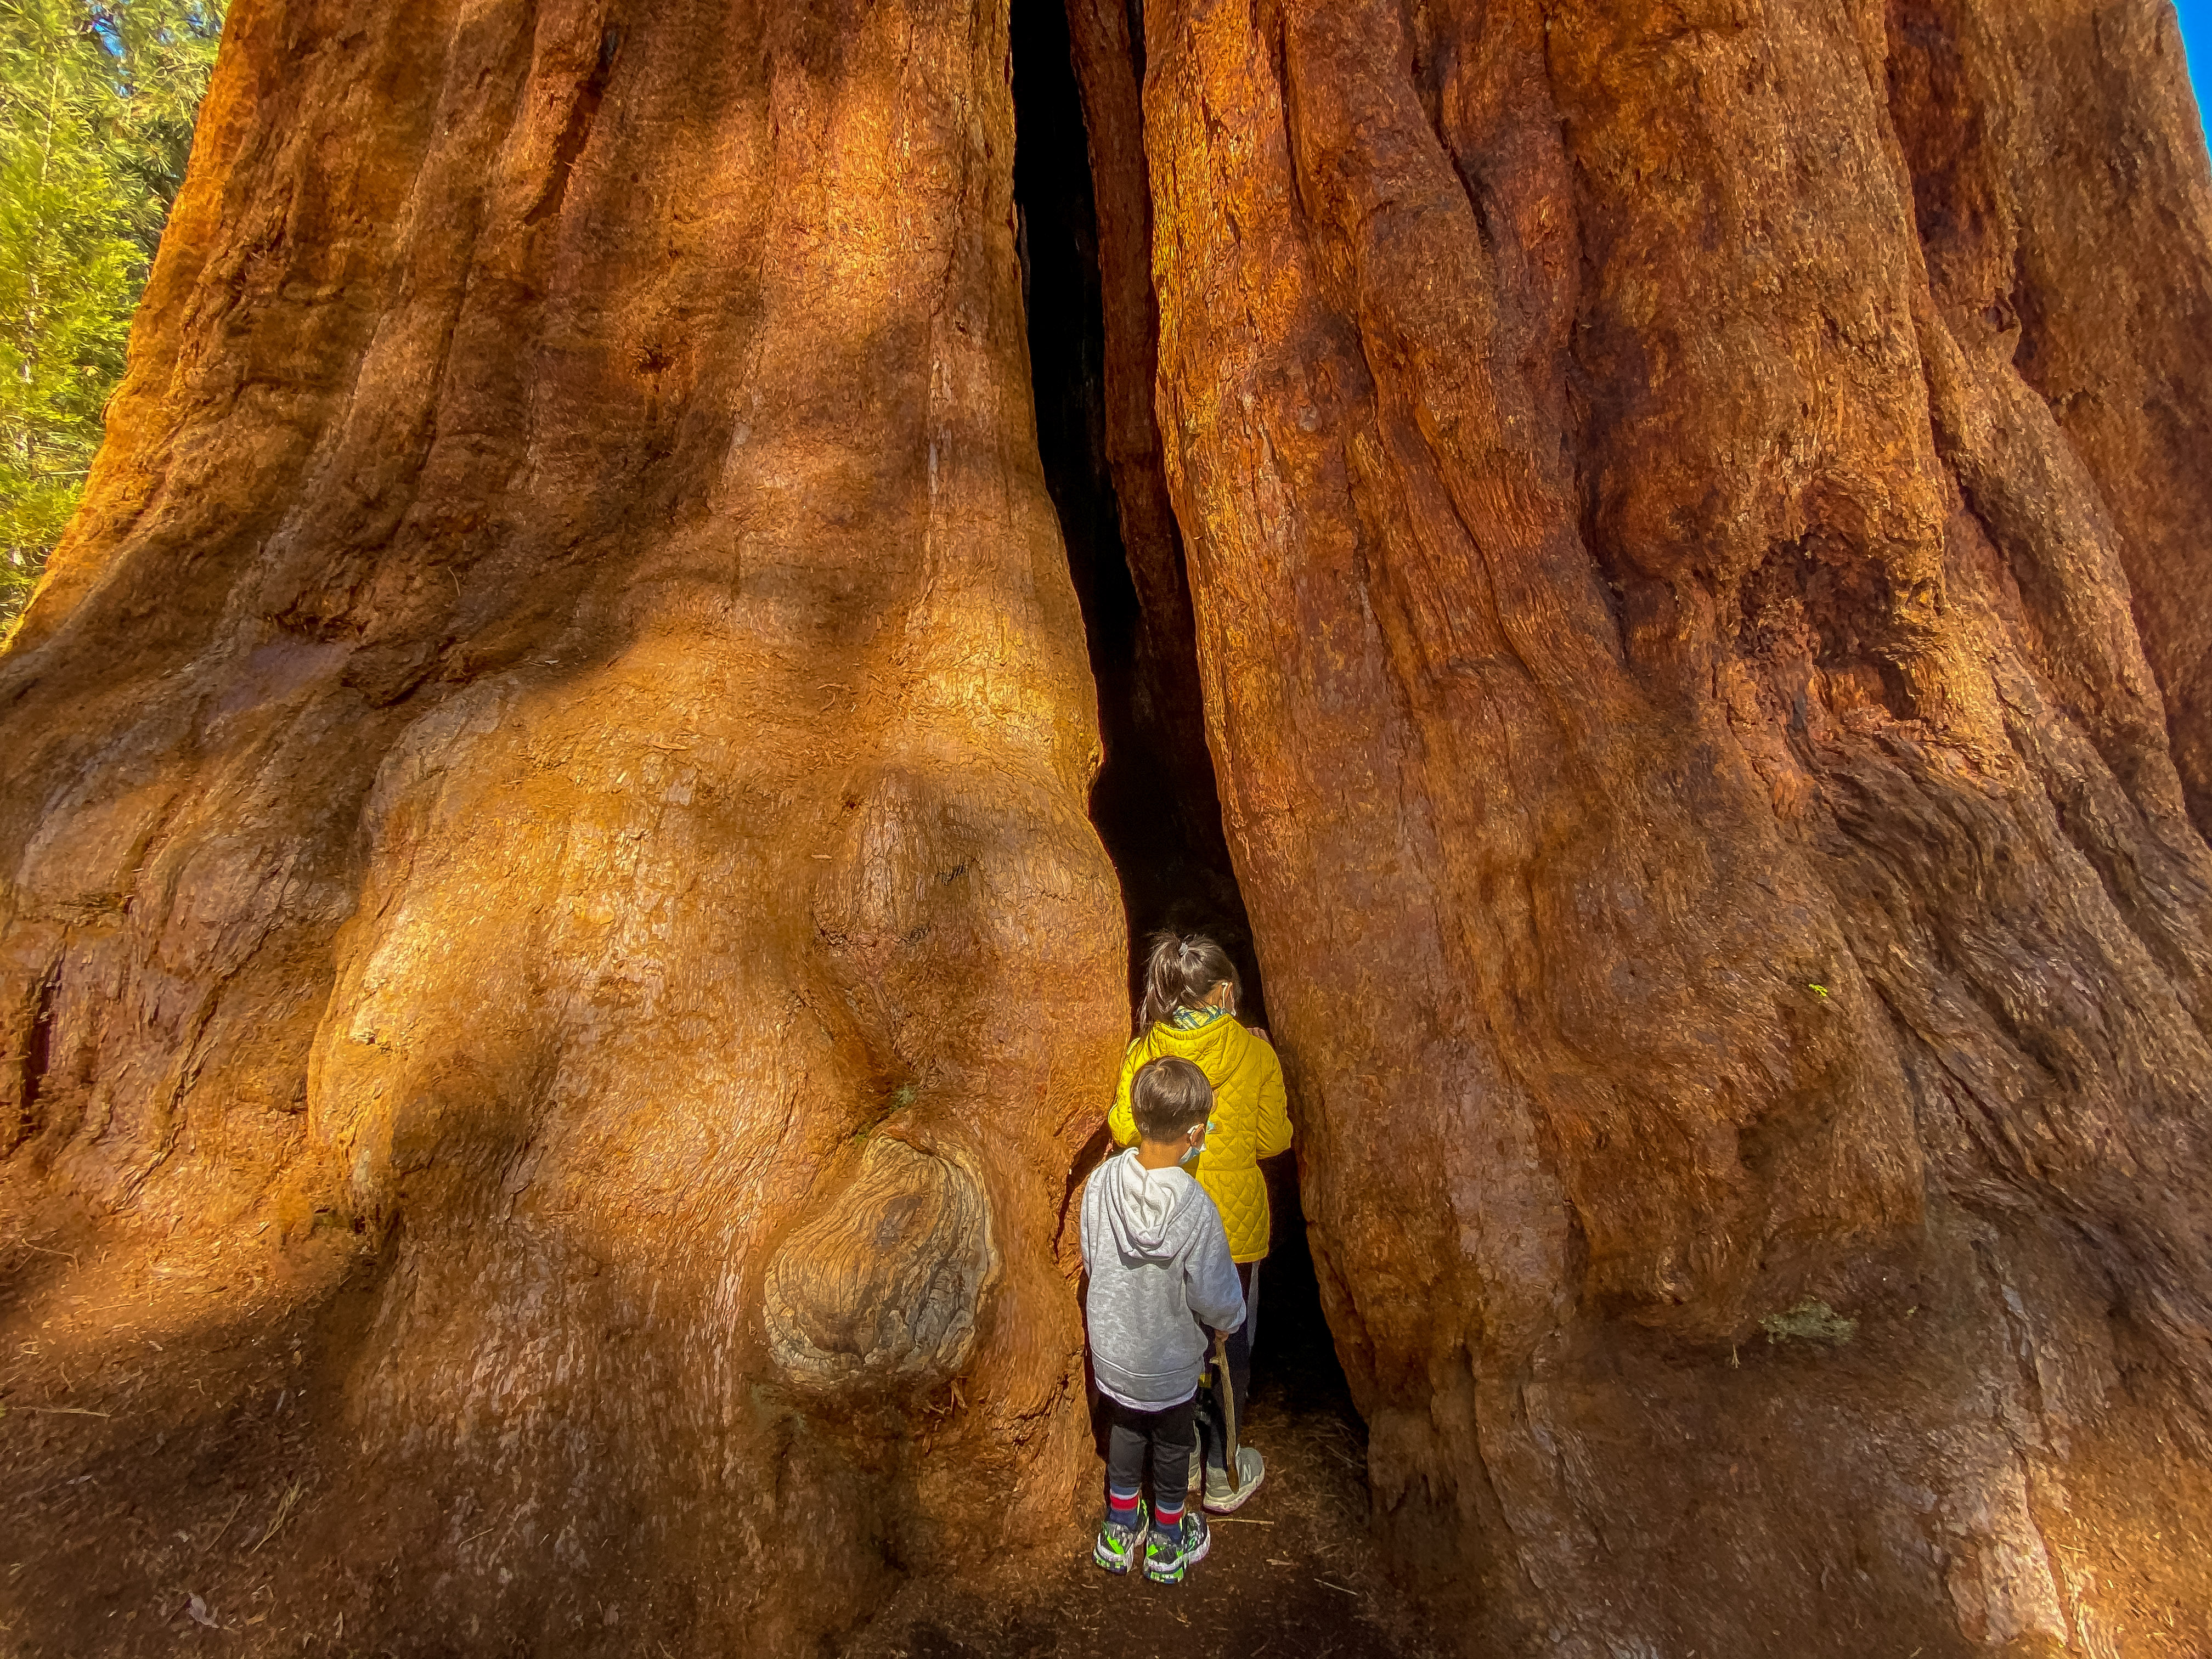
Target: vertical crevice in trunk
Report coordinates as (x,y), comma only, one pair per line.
(1091,333)
(1091,339)
(37,1055)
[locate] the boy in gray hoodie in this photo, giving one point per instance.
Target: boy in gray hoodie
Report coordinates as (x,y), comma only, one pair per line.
(1160,1274)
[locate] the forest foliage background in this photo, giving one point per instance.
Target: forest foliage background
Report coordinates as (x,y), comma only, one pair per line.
(96,110)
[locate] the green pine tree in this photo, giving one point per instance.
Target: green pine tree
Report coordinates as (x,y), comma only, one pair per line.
(96,108)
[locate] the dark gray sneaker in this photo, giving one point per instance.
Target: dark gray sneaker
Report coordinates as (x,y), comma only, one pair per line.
(1173,1551)
(1121,1547)
(1224,1494)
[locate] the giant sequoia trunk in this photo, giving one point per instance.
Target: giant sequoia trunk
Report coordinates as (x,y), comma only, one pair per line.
(560,739)
(1662,485)
(544,797)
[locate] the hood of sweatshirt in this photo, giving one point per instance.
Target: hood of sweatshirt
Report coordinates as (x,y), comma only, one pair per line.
(1147,1209)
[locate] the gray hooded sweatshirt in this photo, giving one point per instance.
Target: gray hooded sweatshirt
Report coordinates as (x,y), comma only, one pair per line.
(1159,1263)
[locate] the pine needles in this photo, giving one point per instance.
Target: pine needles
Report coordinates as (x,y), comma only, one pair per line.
(96,111)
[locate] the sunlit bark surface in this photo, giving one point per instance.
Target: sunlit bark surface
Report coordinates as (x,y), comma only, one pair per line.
(547,791)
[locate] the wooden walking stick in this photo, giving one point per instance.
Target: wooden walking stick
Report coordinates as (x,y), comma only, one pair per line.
(1227,1391)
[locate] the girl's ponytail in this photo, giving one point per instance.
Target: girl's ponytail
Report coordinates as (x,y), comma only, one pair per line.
(1181,970)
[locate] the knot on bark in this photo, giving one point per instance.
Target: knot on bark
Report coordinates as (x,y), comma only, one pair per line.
(882,1283)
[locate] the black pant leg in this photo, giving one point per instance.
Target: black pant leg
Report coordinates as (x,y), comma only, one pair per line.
(1240,1343)
(1175,1438)
(1127,1440)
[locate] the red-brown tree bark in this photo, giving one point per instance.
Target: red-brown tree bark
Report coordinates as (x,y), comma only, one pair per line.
(1709,823)
(543,807)
(557,753)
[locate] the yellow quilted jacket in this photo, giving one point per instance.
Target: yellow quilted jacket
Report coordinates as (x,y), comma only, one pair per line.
(1249,1121)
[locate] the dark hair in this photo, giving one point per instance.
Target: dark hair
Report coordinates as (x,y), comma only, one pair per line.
(1182,969)
(1169,1098)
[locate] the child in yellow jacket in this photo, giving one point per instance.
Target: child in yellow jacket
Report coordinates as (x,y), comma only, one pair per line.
(1190,1013)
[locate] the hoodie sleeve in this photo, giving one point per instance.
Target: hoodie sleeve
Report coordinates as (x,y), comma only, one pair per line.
(1274,1117)
(1212,1287)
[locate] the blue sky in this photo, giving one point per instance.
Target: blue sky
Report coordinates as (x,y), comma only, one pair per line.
(2196,33)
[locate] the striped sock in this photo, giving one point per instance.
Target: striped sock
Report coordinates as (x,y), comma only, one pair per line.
(1169,1517)
(1121,1506)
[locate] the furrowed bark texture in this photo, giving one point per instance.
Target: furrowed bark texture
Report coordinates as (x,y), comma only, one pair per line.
(541,804)
(1662,485)
(559,744)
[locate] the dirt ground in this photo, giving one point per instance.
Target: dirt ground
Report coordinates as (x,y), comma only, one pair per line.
(156,1415)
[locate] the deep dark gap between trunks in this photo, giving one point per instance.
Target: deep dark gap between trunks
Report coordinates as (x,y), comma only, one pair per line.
(1169,853)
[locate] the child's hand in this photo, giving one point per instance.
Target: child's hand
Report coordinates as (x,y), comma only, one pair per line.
(1260,1032)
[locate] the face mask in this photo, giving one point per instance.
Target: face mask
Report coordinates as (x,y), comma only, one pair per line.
(1191,1156)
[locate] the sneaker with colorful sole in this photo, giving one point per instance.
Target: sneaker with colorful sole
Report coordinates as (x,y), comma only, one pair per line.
(1172,1551)
(1120,1547)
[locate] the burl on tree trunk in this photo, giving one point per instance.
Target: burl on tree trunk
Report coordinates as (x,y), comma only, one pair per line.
(560,738)
(544,797)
